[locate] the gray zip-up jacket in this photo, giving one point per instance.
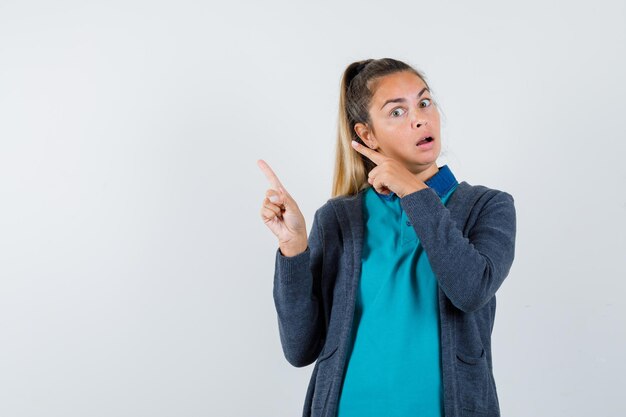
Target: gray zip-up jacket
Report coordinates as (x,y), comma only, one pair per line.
(470,244)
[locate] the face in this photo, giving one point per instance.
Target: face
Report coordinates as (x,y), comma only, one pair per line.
(402,112)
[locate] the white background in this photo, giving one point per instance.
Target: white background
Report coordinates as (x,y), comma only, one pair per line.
(135,270)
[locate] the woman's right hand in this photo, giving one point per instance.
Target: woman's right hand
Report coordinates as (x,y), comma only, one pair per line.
(282,215)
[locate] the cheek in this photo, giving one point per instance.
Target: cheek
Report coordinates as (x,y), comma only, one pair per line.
(436,117)
(398,131)
(387,128)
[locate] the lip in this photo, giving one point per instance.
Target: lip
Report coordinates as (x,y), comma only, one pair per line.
(424,137)
(426,146)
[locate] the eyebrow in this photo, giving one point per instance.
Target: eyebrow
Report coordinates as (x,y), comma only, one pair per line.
(401,100)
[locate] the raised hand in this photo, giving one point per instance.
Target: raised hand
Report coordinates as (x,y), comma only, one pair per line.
(281,214)
(389,174)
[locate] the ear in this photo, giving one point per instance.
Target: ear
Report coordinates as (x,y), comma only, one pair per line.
(366,135)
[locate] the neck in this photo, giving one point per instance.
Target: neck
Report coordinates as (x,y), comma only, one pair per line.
(423,174)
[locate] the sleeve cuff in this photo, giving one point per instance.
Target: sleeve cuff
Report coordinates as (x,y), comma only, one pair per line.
(292,268)
(424,209)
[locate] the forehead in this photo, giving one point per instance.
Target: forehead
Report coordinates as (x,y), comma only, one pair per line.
(399,84)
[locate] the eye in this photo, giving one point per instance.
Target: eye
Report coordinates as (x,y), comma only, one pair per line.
(395,113)
(426,99)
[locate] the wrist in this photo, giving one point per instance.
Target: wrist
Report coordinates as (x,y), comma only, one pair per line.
(413,189)
(293,248)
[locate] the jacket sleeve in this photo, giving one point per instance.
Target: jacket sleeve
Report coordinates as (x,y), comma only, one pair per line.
(468,270)
(297,297)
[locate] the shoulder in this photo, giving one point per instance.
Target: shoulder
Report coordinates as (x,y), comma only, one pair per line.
(349,202)
(483,205)
(480,194)
(339,210)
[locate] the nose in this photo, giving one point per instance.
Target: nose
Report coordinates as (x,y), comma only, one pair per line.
(418,120)
(419,123)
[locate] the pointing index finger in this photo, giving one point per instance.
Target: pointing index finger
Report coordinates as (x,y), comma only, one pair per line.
(269,174)
(376,157)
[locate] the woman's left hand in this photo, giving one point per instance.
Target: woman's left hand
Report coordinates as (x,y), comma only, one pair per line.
(389,174)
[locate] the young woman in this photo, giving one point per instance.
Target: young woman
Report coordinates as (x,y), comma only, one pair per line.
(393,292)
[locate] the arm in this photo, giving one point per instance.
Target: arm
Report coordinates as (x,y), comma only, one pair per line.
(469,271)
(297,297)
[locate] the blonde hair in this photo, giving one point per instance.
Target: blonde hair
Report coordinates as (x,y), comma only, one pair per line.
(358,85)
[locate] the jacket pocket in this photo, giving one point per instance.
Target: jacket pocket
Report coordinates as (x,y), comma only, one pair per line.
(473,381)
(323,378)
(469,359)
(327,354)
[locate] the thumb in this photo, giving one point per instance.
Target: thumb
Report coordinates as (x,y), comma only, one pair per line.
(286,197)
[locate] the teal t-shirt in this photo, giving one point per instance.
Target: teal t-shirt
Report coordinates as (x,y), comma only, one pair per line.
(394,365)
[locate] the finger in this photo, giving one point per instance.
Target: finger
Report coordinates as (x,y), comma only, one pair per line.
(380,187)
(274,196)
(272,207)
(376,157)
(374,172)
(277,207)
(269,174)
(285,194)
(267,214)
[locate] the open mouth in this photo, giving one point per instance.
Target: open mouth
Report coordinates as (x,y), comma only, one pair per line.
(425,140)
